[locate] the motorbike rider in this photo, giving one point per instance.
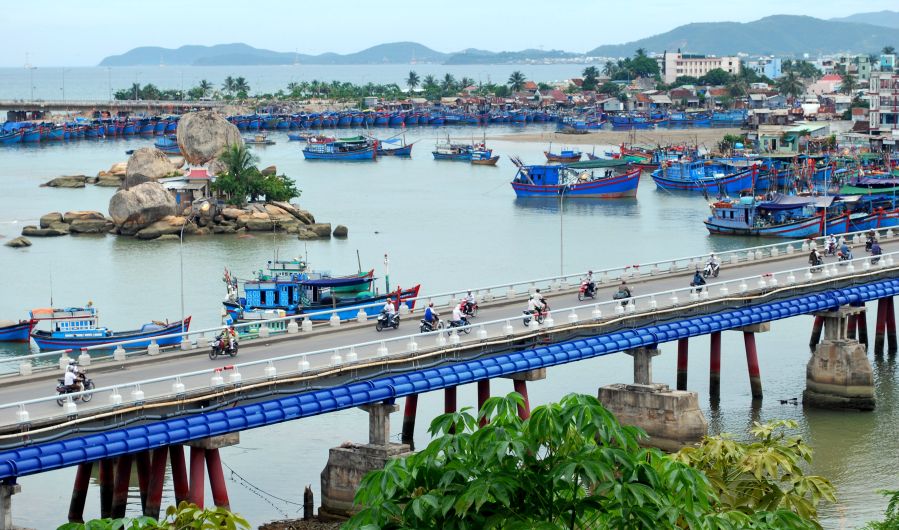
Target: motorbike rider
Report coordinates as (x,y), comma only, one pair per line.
(389,308)
(431,316)
(72,378)
(698,281)
(591,286)
(539,301)
(713,263)
(876,251)
(831,245)
(845,251)
(624,291)
(458,314)
(814,257)
(870,240)
(469,300)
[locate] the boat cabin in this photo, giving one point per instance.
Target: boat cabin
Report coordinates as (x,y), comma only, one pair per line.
(68,319)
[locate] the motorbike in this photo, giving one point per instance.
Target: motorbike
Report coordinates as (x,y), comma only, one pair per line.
(431,326)
(386,321)
(221,347)
(844,256)
(461,326)
(537,314)
(62,390)
(816,263)
(587,290)
(830,250)
(697,286)
(869,243)
(470,310)
(711,269)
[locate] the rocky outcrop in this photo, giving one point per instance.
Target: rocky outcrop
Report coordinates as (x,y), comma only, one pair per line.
(269,171)
(146,164)
(302,215)
(168,225)
(204,135)
(341,231)
(108,180)
(49,219)
(19,242)
(67,181)
(58,229)
(321,229)
(138,207)
(82,215)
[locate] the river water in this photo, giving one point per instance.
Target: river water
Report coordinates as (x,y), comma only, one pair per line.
(446,225)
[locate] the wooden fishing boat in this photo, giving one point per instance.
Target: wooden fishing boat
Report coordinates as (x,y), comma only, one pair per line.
(566,155)
(483,158)
(16,331)
(705,176)
(78,327)
(356,148)
(259,139)
(601,179)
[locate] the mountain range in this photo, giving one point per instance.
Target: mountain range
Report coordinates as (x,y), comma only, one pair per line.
(787,35)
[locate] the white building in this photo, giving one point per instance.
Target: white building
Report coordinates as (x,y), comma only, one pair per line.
(883,96)
(690,64)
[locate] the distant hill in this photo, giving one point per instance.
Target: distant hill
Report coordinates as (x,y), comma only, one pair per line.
(885,18)
(474,56)
(243,54)
(778,35)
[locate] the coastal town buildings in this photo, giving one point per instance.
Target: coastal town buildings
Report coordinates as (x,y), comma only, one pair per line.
(883,96)
(679,64)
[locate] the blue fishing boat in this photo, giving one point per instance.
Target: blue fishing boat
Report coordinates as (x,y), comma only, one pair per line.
(356,148)
(788,216)
(168,145)
(11,138)
(386,147)
(345,120)
(78,327)
(16,331)
(602,179)
(705,176)
(32,136)
(304,292)
(160,126)
(459,152)
(565,155)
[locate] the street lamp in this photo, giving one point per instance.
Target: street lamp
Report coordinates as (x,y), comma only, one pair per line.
(562,228)
(193,213)
(64,70)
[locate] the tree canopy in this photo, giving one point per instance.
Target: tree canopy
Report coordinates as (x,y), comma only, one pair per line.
(570,465)
(242,180)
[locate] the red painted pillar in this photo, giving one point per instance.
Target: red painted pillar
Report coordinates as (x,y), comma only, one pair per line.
(682,348)
(409,420)
(861,321)
(217,479)
(197,484)
(156,480)
(142,461)
(891,326)
(122,481)
(752,362)
(179,473)
(524,412)
(715,366)
(483,395)
(880,326)
(449,400)
(79,492)
(850,331)
(107,473)
(817,327)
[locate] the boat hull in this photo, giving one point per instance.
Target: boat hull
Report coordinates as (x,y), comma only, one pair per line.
(18,332)
(803,228)
(617,187)
(731,184)
(46,341)
(347,309)
(362,154)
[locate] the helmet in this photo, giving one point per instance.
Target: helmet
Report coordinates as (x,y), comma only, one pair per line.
(589,272)
(713,254)
(469,291)
(430,304)
(537,290)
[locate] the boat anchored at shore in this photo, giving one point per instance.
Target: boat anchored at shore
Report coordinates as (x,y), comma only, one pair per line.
(78,327)
(602,179)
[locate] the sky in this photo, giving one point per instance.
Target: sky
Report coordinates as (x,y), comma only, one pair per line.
(83,32)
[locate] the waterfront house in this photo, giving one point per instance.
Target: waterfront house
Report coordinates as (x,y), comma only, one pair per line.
(789,139)
(193,186)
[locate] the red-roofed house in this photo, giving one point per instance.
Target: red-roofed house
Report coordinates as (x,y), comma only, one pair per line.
(193,186)
(530,86)
(828,84)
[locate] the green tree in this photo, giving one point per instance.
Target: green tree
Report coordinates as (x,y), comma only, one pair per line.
(241,180)
(609,68)
(591,78)
(888,50)
(791,85)
(716,76)
(766,474)
(448,85)
(229,86)
(848,84)
(241,87)
(891,515)
(183,517)
(516,81)
(570,465)
(610,88)
(412,81)
(205,86)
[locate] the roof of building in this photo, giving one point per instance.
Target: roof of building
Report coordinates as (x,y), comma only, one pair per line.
(530,85)
(660,99)
(198,173)
(831,77)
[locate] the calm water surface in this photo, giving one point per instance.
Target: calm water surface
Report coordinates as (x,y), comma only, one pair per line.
(446,225)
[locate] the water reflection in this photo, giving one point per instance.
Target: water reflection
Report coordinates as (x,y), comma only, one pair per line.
(581,206)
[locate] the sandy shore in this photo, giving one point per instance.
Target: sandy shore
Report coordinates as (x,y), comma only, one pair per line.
(702,137)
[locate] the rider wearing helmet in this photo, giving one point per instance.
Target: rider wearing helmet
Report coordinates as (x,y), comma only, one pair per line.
(431,316)
(72,377)
(469,301)
(591,286)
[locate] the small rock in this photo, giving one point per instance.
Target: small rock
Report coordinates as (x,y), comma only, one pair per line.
(306,234)
(232,213)
(18,242)
(68,181)
(202,231)
(90,226)
(320,229)
(147,164)
(169,225)
(108,180)
(269,171)
(50,218)
(169,237)
(223,229)
(33,231)
(82,215)
(118,169)
(341,231)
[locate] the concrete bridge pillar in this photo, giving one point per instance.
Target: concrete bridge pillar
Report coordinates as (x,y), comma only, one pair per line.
(520,382)
(715,365)
(885,326)
(839,375)
(7,490)
(348,463)
(683,346)
(752,357)
(671,418)
(409,413)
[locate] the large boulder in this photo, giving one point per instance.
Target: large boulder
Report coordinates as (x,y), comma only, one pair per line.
(57,229)
(231,213)
(169,225)
(283,219)
(204,135)
(139,207)
(146,164)
(18,242)
(50,218)
(67,181)
(269,171)
(90,226)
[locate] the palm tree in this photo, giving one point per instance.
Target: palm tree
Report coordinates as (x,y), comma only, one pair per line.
(791,85)
(591,76)
(228,86)
(430,83)
(241,86)
(449,83)
(516,81)
(609,68)
(240,177)
(888,50)
(205,86)
(641,52)
(848,85)
(412,81)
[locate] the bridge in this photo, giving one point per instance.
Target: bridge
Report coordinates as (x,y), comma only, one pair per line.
(162,401)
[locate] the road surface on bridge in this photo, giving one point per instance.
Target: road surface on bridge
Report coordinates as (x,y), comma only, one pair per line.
(354,334)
